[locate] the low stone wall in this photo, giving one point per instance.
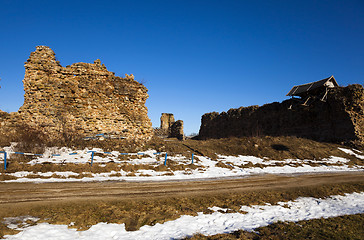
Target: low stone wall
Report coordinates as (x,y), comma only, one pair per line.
(83,99)
(340,118)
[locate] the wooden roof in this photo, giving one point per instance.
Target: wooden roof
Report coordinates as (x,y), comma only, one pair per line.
(329,82)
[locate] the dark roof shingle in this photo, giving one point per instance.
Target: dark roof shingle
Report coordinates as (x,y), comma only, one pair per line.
(328,82)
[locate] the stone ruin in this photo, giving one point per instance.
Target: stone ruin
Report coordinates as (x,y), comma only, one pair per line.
(83,99)
(167,120)
(340,118)
(177,130)
(171,128)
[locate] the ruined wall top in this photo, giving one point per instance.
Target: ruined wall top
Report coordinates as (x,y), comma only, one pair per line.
(44,59)
(167,119)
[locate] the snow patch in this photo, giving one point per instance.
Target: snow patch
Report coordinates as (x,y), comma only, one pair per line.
(348,151)
(239,166)
(303,208)
(216,209)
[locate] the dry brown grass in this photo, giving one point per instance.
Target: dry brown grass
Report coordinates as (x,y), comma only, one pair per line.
(33,140)
(4,140)
(223,165)
(273,148)
(29,139)
(277,148)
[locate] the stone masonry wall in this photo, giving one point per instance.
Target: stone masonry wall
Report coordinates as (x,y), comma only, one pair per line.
(339,119)
(177,130)
(167,119)
(82,98)
(169,127)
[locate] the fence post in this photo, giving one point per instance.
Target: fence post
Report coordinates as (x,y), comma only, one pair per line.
(5,162)
(4,159)
(165,160)
(92,157)
(192,158)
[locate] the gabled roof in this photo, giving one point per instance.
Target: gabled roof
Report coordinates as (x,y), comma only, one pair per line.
(329,82)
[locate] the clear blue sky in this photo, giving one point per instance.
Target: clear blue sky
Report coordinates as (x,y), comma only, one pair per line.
(194,56)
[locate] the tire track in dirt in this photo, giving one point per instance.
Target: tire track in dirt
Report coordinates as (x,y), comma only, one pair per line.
(11,193)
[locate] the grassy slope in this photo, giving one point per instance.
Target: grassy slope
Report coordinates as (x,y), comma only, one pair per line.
(275,148)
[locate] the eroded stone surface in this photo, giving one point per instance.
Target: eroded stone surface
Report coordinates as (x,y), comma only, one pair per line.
(340,118)
(83,98)
(169,127)
(167,119)
(177,130)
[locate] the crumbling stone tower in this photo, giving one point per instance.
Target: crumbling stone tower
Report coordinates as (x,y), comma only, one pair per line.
(167,119)
(177,130)
(83,98)
(170,127)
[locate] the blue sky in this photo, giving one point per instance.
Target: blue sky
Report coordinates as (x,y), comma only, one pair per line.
(193,56)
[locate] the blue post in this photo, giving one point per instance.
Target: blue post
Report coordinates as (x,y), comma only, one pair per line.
(4,160)
(192,158)
(92,157)
(165,160)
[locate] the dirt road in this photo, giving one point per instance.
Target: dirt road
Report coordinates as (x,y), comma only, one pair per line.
(11,193)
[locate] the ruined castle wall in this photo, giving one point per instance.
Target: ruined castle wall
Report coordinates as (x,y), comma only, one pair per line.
(167,120)
(177,130)
(82,98)
(341,118)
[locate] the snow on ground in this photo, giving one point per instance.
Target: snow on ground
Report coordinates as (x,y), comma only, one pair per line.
(235,166)
(215,209)
(47,174)
(251,217)
(66,155)
(358,153)
(18,223)
(242,160)
(208,170)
